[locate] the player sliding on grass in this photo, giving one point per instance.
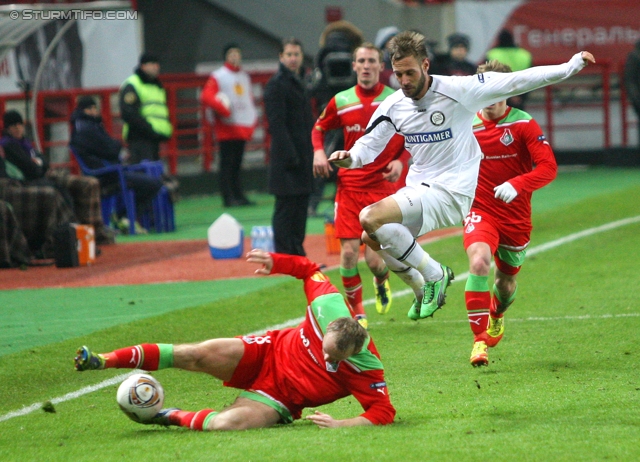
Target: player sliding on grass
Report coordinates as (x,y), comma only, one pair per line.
(499,223)
(327,357)
(434,114)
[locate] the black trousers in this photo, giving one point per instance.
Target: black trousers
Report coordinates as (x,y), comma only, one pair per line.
(289,224)
(231,152)
(143,150)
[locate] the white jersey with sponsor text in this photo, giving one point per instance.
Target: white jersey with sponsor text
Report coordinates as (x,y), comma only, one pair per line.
(438,127)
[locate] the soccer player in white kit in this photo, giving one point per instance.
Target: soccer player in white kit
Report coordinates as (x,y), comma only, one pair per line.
(435,115)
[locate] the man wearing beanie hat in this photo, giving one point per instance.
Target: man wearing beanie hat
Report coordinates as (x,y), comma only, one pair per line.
(143,107)
(91,142)
(228,97)
(455,61)
(27,166)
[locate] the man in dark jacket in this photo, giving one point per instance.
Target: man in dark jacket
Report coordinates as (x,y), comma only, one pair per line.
(143,105)
(30,168)
(288,111)
(97,149)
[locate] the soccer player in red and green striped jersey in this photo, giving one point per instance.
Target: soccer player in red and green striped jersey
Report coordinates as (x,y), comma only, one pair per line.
(350,110)
(499,222)
(327,357)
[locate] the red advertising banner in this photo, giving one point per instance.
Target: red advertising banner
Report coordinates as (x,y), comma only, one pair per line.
(553,30)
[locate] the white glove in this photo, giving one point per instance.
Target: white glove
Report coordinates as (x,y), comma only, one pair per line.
(506,192)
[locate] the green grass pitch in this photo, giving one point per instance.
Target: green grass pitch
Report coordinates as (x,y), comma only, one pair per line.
(562,385)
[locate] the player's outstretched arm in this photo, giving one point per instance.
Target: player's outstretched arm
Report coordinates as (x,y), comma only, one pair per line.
(326,421)
(341,159)
(262,258)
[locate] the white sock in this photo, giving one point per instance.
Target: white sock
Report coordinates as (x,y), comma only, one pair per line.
(409,276)
(398,242)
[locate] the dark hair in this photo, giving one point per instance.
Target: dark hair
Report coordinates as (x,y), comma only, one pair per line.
(148,57)
(290,41)
(458,39)
(407,44)
(227,47)
(505,39)
(85,102)
(12,117)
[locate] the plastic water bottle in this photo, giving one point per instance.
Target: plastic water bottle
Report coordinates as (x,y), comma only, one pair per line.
(255,237)
(270,244)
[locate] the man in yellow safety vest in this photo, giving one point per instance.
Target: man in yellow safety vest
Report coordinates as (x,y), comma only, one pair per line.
(143,107)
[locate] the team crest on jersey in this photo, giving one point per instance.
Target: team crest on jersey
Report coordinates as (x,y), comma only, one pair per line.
(507,137)
(437,118)
(318,277)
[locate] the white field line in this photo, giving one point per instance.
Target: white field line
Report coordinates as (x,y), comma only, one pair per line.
(292,322)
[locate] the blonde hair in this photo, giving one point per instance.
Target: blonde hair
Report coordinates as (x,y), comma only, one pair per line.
(493,66)
(368,46)
(407,44)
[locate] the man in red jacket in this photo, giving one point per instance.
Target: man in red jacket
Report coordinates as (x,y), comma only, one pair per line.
(499,222)
(229,94)
(327,357)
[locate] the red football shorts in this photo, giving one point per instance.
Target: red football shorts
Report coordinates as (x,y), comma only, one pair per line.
(347,211)
(480,226)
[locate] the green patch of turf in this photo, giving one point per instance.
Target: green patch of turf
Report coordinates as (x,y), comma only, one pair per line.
(31,318)
(562,384)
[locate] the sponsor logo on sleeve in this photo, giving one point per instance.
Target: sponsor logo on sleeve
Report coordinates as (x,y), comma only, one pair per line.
(318,277)
(542,138)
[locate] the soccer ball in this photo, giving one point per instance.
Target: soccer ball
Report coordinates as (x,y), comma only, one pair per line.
(141,397)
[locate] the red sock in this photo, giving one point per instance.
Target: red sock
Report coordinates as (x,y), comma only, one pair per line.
(380,281)
(478,311)
(495,306)
(192,420)
(145,356)
(353,292)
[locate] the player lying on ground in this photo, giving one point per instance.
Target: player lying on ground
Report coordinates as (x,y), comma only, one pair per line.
(499,223)
(434,114)
(327,357)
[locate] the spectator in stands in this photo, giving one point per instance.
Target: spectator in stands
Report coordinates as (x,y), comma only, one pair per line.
(143,106)
(229,94)
(97,148)
(517,58)
(24,164)
(632,81)
(455,61)
(288,109)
